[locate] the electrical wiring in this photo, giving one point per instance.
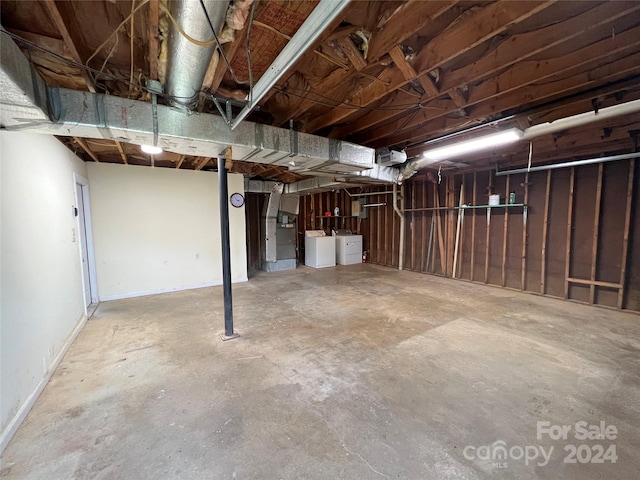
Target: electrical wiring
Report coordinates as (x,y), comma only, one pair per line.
(399,107)
(78,65)
(217,40)
(100,74)
(131,36)
(117,29)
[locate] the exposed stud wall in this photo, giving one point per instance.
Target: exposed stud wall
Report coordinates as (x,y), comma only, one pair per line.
(532,258)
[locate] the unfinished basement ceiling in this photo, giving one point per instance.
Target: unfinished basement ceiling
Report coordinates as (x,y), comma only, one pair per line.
(384,74)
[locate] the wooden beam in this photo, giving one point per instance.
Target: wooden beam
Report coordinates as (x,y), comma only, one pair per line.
(413,227)
(52,44)
(85,147)
(423,224)
(567,265)
(342,32)
(430,88)
(407,20)
(404,23)
(627,227)
(469,32)
(518,77)
(401,63)
(441,245)
(505,226)
(529,44)
(545,230)
(228,158)
(593,283)
(65,32)
(451,223)
(352,53)
(525,227)
(202,161)
(596,232)
(123,155)
(180,161)
(473,226)
(523,99)
(457,97)
(511,89)
(486,247)
(154,11)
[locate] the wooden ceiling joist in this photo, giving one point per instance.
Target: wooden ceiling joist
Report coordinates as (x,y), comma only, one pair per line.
(352,53)
(404,23)
(123,155)
(453,42)
(201,162)
(69,31)
(518,49)
(83,144)
(500,94)
(154,50)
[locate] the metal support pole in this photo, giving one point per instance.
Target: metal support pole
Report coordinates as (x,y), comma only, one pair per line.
(226,249)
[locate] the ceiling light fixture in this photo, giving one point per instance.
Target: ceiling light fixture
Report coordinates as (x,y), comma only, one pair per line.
(474,145)
(150,149)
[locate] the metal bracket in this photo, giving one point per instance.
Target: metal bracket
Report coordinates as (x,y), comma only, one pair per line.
(226,112)
(225,338)
(155,88)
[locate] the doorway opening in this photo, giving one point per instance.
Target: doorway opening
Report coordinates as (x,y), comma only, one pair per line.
(85,244)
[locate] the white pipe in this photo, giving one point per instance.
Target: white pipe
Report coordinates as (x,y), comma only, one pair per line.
(575,163)
(581,119)
(412,167)
(401,215)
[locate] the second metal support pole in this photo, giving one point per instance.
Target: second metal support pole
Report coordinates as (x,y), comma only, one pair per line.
(226,248)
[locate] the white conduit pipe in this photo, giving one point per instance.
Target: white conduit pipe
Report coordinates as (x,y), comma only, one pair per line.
(401,215)
(412,167)
(581,119)
(574,163)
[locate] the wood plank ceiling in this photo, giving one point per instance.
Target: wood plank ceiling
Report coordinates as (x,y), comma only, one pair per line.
(388,74)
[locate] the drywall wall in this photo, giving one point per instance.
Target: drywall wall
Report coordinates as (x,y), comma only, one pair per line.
(40,278)
(158,229)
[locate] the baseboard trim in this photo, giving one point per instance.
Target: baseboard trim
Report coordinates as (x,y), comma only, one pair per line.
(121,296)
(26,407)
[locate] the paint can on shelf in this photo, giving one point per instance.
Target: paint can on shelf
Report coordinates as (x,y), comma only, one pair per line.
(512,197)
(494,199)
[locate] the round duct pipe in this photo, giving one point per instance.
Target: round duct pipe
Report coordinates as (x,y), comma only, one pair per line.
(187,62)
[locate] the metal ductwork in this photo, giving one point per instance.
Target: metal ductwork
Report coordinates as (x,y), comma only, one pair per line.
(258,186)
(269,223)
(28,104)
(187,62)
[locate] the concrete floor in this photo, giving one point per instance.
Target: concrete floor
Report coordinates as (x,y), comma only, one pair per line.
(356,372)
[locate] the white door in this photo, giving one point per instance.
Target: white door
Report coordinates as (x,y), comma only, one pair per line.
(86,282)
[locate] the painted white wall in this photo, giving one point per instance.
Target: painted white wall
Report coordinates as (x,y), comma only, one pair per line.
(41,300)
(158,229)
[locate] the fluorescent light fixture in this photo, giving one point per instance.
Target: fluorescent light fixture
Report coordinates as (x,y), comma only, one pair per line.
(480,143)
(150,149)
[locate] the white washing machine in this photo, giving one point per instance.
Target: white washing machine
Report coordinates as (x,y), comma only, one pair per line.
(319,250)
(348,249)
